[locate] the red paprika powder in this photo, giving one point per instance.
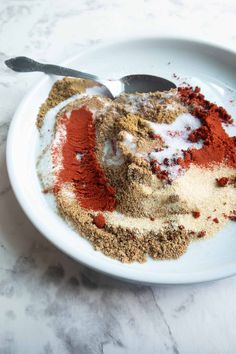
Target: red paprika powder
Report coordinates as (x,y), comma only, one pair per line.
(218,147)
(91,186)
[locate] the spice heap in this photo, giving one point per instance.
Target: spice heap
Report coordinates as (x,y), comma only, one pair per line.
(90,183)
(129,173)
(218,146)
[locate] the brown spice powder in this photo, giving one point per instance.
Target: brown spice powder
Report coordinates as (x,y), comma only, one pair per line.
(135,125)
(122,244)
(60,91)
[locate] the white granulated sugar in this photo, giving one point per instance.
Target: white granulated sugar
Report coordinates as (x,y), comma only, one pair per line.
(230,129)
(59,139)
(47,169)
(128,141)
(96,90)
(175,137)
(170,94)
(111,157)
(50,118)
(172,106)
(67,192)
(107,149)
(79,156)
(48,140)
(134,102)
(44,167)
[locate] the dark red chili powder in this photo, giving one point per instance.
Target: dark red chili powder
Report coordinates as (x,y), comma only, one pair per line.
(90,183)
(218,147)
(201,234)
(161,174)
(221,182)
(99,220)
(196,214)
(216,220)
(232,217)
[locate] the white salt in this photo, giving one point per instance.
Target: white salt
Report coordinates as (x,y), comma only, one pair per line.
(175,137)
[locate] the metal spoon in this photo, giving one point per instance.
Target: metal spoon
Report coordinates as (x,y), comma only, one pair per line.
(128,84)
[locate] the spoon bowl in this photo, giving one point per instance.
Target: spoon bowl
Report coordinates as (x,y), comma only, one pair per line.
(129,84)
(145,83)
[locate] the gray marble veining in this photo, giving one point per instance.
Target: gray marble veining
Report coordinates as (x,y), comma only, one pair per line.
(49,303)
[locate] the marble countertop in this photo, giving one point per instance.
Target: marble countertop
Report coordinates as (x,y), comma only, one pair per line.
(49,303)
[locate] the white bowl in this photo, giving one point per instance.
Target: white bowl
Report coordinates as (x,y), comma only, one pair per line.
(211,67)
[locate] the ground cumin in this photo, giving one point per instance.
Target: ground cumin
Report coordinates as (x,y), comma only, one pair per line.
(120,243)
(60,91)
(135,125)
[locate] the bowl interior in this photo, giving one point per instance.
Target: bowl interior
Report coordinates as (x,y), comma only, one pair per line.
(213,69)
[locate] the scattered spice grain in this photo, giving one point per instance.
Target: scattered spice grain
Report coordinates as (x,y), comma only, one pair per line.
(196,214)
(99,220)
(222,182)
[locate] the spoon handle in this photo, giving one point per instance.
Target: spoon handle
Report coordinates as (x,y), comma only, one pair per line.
(24,64)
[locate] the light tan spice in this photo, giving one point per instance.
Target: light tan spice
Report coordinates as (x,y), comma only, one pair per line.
(199,191)
(122,243)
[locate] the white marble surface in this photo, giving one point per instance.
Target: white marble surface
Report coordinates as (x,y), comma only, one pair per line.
(48,303)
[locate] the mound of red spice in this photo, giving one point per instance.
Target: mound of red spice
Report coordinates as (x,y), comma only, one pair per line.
(91,186)
(201,234)
(99,220)
(232,217)
(218,147)
(222,182)
(196,214)
(216,220)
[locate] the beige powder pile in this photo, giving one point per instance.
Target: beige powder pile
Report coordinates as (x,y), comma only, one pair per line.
(201,193)
(125,244)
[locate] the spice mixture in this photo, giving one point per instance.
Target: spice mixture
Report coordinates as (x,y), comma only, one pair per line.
(144,174)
